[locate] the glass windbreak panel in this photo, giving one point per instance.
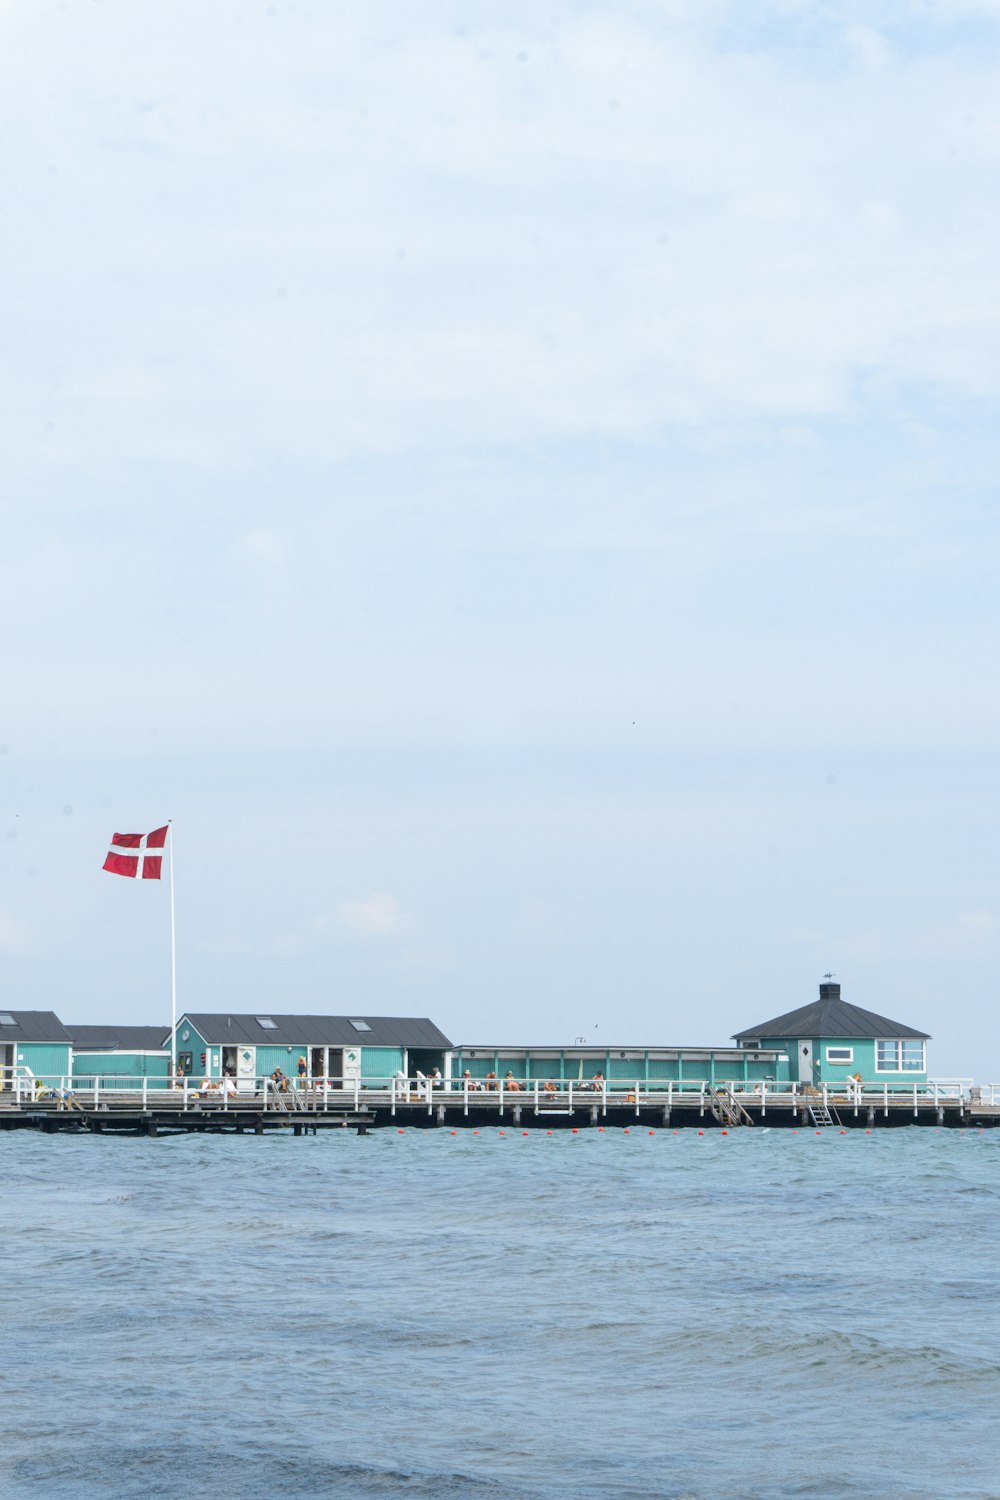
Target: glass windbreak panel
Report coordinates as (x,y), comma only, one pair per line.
(913,1057)
(887,1055)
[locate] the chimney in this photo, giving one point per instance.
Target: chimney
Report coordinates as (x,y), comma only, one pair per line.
(829,991)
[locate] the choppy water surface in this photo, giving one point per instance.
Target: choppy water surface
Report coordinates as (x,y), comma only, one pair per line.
(761,1314)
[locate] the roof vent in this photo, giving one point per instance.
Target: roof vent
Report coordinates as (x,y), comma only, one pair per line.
(829,991)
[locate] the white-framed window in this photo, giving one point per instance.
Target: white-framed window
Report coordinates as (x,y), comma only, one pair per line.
(905,1055)
(840,1054)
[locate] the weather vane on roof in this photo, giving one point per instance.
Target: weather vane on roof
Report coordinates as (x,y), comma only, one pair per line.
(828,974)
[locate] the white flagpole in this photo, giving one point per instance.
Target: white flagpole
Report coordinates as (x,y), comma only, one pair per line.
(173,966)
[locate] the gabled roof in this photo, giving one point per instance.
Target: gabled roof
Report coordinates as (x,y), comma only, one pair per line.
(222,1029)
(829,1016)
(32,1026)
(119,1038)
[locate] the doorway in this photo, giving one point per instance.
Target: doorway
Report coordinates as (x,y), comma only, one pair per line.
(6,1065)
(805,1062)
(240,1063)
(326,1064)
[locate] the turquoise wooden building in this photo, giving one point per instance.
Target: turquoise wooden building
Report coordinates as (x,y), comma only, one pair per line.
(33,1043)
(367,1049)
(830,1041)
(622,1066)
(120,1056)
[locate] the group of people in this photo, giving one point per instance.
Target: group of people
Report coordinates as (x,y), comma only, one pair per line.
(217,1088)
(517,1086)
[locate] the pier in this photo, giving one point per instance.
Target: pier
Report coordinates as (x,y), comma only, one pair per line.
(148,1107)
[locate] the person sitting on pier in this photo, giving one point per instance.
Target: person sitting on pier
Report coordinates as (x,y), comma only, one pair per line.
(472,1084)
(228,1086)
(42,1091)
(208,1088)
(596,1084)
(491,1080)
(279,1080)
(855,1086)
(550,1088)
(510,1082)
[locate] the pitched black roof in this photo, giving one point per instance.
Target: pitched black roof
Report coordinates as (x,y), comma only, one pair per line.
(225,1028)
(32,1026)
(119,1038)
(829,1016)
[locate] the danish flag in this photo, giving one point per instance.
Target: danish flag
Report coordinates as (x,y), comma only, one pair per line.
(137,854)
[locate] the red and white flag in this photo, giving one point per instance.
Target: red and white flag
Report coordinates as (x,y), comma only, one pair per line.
(139,855)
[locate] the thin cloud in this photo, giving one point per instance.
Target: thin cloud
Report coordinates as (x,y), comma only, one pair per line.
(378,915)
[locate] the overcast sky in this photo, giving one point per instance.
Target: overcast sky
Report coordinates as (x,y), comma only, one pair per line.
(517,484)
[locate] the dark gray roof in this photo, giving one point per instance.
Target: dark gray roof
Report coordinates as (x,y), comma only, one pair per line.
(119,1038)
(594,1050)
(829,1017)
(225,1028)
(33,1026)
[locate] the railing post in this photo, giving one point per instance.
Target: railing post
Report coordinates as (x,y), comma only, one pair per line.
(885,1100)
(571,1096)
(392,1100)
(914,1099)
(763,1098)
(500,1090)
(357,1092)
(465,1097)
(637,1098)
(701,1100)
(97,1088)
(145,1097)
(826,1096)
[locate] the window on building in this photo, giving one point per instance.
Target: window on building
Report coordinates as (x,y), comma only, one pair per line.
(906,1056)
(840,1054)
(267,1023)
(6,1019)
(361,1025)
(911,1056)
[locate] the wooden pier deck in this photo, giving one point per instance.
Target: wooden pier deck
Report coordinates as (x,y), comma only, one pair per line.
(161,1111)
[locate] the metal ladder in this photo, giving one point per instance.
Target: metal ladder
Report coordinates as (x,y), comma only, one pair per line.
(727,1109)
(823,1115)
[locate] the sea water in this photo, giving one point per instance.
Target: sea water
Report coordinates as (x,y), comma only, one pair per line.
(429,1314)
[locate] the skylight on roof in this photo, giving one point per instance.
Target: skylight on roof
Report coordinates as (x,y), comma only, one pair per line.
(361,1025)
(6,1019)
(267,1023)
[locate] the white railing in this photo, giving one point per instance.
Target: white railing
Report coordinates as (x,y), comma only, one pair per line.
(19,1085)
